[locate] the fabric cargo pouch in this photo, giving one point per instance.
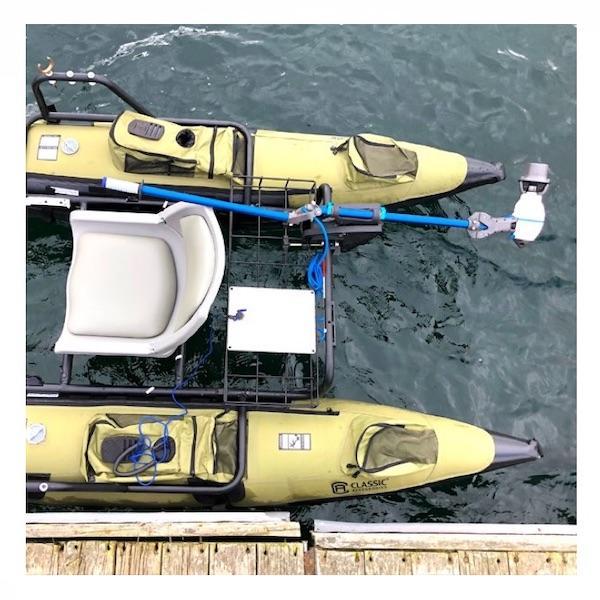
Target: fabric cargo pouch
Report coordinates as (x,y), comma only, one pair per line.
(145,145)
(382,446)
(113,451)
(377,159)
(224,445)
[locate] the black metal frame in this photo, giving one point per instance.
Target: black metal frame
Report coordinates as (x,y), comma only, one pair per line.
(49,113)
(319,380)
(227,397)
(286,238)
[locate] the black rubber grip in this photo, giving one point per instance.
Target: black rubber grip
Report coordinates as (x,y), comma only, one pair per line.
(146,130)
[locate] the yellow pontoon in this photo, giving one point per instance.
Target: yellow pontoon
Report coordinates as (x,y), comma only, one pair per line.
(68,150)
(338,448)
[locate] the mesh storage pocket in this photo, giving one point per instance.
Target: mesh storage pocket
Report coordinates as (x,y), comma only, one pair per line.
(378,158)
(385,445)
(225,446)
(157,166)
(385,159)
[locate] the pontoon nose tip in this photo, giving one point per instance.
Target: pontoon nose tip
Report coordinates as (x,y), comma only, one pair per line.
(480,172)
(511,450)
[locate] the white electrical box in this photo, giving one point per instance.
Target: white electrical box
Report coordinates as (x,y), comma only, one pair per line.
(271,320)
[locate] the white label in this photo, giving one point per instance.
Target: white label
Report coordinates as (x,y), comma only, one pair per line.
(47,153)
(48,147)
(294,441)
(36,433)
(49,141)
(65,191)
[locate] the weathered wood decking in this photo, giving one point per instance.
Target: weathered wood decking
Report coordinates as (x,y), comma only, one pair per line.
(269,544)
(443,549)
(110,557)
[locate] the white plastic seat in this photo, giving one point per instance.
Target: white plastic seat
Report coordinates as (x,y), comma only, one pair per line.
(140,284)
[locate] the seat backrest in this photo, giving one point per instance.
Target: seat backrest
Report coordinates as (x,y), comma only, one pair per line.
(200,266)
(204,259)
(175,304)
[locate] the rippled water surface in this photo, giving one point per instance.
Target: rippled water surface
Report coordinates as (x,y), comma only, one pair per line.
(427,320)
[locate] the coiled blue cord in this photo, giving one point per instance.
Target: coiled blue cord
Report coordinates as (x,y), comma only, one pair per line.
(144,454)
(314,272)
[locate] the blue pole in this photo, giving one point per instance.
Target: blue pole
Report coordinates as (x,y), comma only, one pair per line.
(282,216)
(424,220)
(244,209)
(366,213)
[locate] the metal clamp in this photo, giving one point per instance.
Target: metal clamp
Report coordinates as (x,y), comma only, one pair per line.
(308,212)
(491,225)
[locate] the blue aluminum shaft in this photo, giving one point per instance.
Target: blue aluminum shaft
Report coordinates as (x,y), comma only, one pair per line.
(244,209)
(282,216)
(367,213)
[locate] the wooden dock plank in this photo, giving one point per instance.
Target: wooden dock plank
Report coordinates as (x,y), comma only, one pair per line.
(97,557)
(138,558)
(483,563)
(569,563)
(387,562)
(184,558)
(434,563)
(446,542)
(230,558)
(69,559)
(537,563)
(281,558)
(41,558)
(97,547)
(323,526)
(473,563)
(310,561)
(162,530)
(339,562)
(158,517)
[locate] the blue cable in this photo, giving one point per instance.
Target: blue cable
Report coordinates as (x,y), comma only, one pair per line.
(144,446)
(314,273)
(322,331)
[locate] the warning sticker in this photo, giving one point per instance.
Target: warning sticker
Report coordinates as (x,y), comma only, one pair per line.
(294,441)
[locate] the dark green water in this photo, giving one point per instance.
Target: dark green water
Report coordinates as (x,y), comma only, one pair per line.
(427,320)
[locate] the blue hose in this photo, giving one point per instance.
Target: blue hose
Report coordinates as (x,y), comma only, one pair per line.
(314,272)
(144,452)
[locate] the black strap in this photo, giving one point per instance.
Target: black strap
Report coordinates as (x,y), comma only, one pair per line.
(211,169)
(341,147)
